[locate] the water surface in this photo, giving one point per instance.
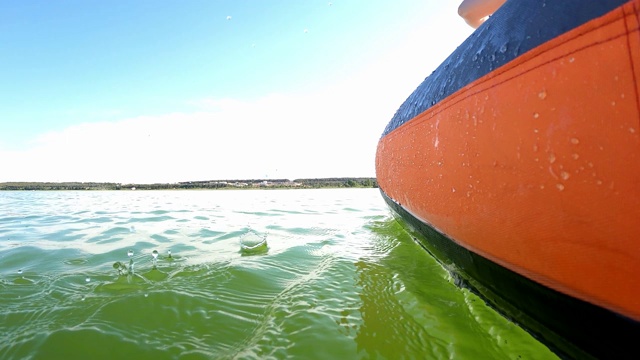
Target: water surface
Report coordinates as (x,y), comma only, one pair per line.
(338,278)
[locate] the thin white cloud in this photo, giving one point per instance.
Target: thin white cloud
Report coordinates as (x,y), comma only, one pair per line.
(277,136)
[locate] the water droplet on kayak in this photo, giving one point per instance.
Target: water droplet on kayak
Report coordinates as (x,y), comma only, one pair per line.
(575,141)
(542,95)
(560,187)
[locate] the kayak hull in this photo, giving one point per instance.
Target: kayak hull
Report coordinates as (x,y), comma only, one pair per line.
(518,164)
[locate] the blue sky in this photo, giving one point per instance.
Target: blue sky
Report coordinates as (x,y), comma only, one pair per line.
(163,91)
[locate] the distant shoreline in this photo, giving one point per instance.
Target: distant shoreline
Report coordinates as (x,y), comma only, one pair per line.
(319,183)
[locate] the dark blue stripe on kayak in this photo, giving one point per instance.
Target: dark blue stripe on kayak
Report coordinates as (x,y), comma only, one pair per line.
(517,27)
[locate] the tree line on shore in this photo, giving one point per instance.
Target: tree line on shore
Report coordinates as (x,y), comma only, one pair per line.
(210,184)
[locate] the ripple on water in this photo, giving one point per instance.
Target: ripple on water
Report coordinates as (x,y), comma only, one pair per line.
(68,234)
(75,262)
(110,232)
(208,233)
(151,219)
(55,219)
(159,238)
(99,220)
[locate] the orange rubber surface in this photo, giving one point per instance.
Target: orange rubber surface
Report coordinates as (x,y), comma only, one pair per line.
(536,166)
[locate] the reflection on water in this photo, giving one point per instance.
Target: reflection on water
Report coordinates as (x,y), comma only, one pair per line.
(314,274)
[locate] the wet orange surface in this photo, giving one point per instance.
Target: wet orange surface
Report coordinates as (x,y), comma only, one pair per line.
(536,166)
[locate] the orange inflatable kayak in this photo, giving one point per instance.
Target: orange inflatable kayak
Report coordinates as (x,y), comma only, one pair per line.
(517,164)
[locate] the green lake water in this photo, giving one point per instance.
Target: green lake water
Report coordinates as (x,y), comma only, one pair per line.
(338,278)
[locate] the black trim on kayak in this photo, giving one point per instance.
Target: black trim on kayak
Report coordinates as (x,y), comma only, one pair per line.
(570,327)
(517,27)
